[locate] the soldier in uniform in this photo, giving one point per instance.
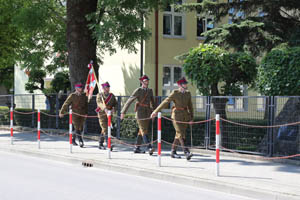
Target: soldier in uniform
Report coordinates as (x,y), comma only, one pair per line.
(182,111)
(79,104)
(143,109)
(105,101)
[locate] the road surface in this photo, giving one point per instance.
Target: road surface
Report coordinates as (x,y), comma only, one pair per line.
(29,178)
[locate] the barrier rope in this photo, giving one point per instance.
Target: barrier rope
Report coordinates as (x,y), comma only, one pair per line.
(182,122)
(263,158)
(25,113)
(255,126)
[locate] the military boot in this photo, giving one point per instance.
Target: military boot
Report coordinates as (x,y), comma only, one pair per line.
(81,144)
(74,140)
(138,143)
(188,154)
(149,147)
(101,141)
(174,154)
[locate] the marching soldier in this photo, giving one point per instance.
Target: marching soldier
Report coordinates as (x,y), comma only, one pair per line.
(182,111)
(105,101)
(79,104)
(143,109)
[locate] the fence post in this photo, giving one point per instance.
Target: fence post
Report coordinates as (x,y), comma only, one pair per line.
(11,125)
(118,118)
(70,129)
(39,129)
(33,106)
(109,134)
(217,144)
(271,119)
(56,111)
(208,123)
(159,139)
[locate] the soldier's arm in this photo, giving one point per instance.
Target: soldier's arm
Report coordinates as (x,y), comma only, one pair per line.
(66,104)
(152,103)
(190,107)
(114,101)
(165,102)
(130,100)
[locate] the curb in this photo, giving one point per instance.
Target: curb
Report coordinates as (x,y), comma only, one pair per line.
(168,177)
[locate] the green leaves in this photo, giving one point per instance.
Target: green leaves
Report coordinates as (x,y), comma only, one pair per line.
(279,72)
(209,65)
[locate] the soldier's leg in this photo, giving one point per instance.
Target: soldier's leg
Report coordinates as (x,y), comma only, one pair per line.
(138,143)
(173,150)
(103,123)
(80,138)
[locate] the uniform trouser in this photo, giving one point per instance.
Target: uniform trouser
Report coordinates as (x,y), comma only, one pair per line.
(103,121)
(179,139)
(143,126)
(78,122)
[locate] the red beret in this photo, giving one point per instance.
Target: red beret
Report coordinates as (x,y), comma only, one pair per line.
(106,84)
(78,85)
(145,77)
(182,81)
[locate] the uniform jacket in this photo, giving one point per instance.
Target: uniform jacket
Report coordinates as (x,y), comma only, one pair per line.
(78,103)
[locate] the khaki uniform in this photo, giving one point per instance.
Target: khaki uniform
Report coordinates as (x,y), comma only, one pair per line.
(79,105)
(112,103)
(144,107)
(181,111)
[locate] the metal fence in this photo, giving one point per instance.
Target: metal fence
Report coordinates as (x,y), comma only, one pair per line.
(250,124)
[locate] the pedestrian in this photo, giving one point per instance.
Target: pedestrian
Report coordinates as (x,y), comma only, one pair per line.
(79,104)
(143,109)
(182,111)
(106,101)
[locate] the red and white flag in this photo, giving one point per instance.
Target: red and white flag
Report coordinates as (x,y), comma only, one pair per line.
(90,82)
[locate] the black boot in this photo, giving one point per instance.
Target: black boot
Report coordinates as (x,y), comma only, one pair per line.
(74,139)
(188,154)
(149,147)
(101,141)
(81,144)
(138,143)
(174,154)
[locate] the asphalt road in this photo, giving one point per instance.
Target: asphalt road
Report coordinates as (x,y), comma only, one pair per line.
(28,178)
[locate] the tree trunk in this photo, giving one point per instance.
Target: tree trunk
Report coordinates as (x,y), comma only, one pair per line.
(219,103)
(80,43)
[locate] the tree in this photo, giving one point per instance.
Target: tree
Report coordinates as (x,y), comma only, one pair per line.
(96,26)
(279,72)
(217,72)
(257,26)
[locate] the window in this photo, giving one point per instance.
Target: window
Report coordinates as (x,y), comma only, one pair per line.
(234,14)
(173,21)
(203,23)
(171,74)
(238,104)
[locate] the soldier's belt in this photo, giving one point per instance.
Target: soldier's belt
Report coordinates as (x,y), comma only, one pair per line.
(179,108)
(143,105)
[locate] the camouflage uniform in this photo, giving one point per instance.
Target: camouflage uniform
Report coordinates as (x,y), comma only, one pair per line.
(103,120)
(144,107)
(79,105)
(181,111)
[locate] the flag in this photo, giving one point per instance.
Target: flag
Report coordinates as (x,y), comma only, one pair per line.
(90,82)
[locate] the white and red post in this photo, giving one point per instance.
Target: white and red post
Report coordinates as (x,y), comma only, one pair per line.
(217,144)
(159,139)
(11,125)
(70,129)
(109,134)
(39,129)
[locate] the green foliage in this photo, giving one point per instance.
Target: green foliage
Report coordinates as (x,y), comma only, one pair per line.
(279,72)
(257,26)
(61,82)
(208,66)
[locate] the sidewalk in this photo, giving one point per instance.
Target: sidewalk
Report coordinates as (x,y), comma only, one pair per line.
(255,179)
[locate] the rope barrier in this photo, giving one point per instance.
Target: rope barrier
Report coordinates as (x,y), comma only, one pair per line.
(255,126)
(182,122)
(25,113)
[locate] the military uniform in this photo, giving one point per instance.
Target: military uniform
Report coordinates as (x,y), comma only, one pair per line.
(182,111)
(104,101)
(143,109)
(79,105)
